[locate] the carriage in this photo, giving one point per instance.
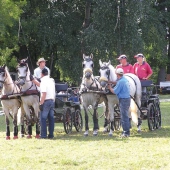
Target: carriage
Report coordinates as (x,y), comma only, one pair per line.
(67,110)
(150,107)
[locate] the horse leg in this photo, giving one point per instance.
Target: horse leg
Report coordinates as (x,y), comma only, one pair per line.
(106,122)
(95,122)
(15,130)
(29,130)
(7,124)
(111,128)
(86,123)
(36,119)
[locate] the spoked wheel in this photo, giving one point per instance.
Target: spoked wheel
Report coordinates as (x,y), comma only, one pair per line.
(117,124)
(67,120)
(158,116)
(151,116)
(78,121)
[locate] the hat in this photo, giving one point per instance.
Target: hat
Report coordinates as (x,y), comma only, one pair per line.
(44,71)
(119,71)
(139,55)
(122,57)
(40,60)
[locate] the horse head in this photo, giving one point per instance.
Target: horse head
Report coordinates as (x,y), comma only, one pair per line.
(88,65)
(2,76)
(104,73)
(22,69)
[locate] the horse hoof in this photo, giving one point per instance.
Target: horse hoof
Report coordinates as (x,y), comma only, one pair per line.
(15,137)
(110,135)
(7,137)
(29,137)
(22,135)
(86,134)
(37,136)
(139,131)
(104,131)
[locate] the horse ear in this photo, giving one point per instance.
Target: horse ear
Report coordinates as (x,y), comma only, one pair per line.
(109,62)
(84,56)
(100,62)
(26,60)
(4,66)
(91,56)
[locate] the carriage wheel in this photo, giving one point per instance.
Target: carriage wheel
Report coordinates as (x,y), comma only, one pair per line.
(78,121)
(151,116)
(117,124)
(158,116)
(67,120)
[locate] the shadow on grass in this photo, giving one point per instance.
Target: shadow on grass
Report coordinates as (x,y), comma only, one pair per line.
(79,136)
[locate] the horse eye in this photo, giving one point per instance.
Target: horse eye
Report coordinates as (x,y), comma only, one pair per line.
(83,65)
(99,73)
(92,65)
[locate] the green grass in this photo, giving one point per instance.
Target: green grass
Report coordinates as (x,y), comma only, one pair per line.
(146,151)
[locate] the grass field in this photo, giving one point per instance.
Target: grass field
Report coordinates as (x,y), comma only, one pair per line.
(146,151)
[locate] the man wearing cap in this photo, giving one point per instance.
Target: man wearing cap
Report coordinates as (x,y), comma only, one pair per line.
(47,89)
(127,68)
(41,64)
(141,68)
(122,91)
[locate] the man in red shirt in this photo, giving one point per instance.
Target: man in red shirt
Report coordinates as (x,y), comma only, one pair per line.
(127,68)
(142,69)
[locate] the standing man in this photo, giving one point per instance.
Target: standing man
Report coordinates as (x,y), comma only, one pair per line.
(41,64)
(47,89)
(141,68)
(122,91)
(127,68)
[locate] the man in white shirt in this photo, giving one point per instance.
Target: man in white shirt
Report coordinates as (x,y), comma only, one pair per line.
(47,89)
(41,65)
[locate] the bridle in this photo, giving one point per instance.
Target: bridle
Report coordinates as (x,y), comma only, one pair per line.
(107,70)
(20,66)
(2,71)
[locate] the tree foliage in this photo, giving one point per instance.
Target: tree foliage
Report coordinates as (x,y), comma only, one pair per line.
(61,31)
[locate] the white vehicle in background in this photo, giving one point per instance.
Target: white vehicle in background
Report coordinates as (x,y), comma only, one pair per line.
(165,87)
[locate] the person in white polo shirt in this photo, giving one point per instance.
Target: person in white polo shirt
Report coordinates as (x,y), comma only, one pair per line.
(41,65)
(47,98)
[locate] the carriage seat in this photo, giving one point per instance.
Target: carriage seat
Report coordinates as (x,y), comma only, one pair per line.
(61,87)
(146,83)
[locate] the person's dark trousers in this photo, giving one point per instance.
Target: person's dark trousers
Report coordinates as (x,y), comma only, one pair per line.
(124,104)
(47,112)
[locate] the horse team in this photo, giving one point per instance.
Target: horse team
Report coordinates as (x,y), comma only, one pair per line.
(21,99)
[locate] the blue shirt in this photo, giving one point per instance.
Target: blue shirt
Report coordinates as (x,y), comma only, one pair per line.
(122,89)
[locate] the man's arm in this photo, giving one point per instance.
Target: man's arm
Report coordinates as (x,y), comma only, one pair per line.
(36,82)
(43,96)
(110,88)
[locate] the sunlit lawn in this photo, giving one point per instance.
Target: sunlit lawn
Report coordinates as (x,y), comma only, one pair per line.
(146,151)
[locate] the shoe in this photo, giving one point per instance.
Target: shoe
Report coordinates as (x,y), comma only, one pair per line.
(124,135)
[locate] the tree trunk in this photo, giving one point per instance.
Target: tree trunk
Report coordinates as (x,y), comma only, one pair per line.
(87,14)
(161,75)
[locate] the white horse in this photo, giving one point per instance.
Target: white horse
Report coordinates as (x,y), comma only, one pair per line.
(88,95)
(29,97)
(10,104)
(107,73)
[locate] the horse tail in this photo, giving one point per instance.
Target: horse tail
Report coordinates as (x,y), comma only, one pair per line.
(19,116)
(133,111)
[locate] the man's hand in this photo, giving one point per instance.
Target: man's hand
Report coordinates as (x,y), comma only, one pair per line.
(31,77)
(41,107)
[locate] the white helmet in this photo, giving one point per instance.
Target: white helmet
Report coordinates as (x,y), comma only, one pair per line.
(119,71)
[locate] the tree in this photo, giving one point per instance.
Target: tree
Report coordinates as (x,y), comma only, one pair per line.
(9,14)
